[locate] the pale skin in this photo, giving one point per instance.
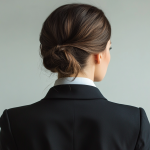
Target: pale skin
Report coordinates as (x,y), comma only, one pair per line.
(97,65)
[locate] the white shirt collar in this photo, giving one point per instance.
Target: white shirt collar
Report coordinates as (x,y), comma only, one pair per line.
(78,80)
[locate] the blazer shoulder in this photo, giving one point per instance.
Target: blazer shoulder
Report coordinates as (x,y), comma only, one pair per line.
(23,107)
(23,110)
(124,106)
(126,112)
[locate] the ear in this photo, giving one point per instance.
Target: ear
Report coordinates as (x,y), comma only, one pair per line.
(98,58)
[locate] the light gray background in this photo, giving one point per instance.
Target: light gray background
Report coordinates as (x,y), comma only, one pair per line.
(23,78)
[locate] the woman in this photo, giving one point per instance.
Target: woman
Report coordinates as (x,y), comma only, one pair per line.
(74,115)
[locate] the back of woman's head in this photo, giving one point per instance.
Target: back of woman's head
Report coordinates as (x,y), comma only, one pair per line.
(70,34)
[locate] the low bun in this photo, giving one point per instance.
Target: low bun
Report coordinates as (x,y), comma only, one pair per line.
(59,59)
(70,34)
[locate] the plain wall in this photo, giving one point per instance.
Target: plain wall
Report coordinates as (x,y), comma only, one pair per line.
(23,78)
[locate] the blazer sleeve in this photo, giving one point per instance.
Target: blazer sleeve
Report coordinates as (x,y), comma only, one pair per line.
(7,141)
(143,141)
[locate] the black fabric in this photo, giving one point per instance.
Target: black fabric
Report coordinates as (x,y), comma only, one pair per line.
(74,117)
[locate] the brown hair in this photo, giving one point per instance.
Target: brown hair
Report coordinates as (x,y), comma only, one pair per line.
(70,34)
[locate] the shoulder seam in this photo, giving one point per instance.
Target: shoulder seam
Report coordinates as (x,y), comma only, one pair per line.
(10,128)
(136,146)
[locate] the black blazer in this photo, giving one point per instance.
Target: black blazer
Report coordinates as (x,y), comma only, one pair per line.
(75,117)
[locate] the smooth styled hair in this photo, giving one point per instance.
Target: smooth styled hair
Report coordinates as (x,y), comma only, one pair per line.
(70,34)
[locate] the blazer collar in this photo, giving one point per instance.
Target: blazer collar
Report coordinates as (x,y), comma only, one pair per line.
(74,91)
